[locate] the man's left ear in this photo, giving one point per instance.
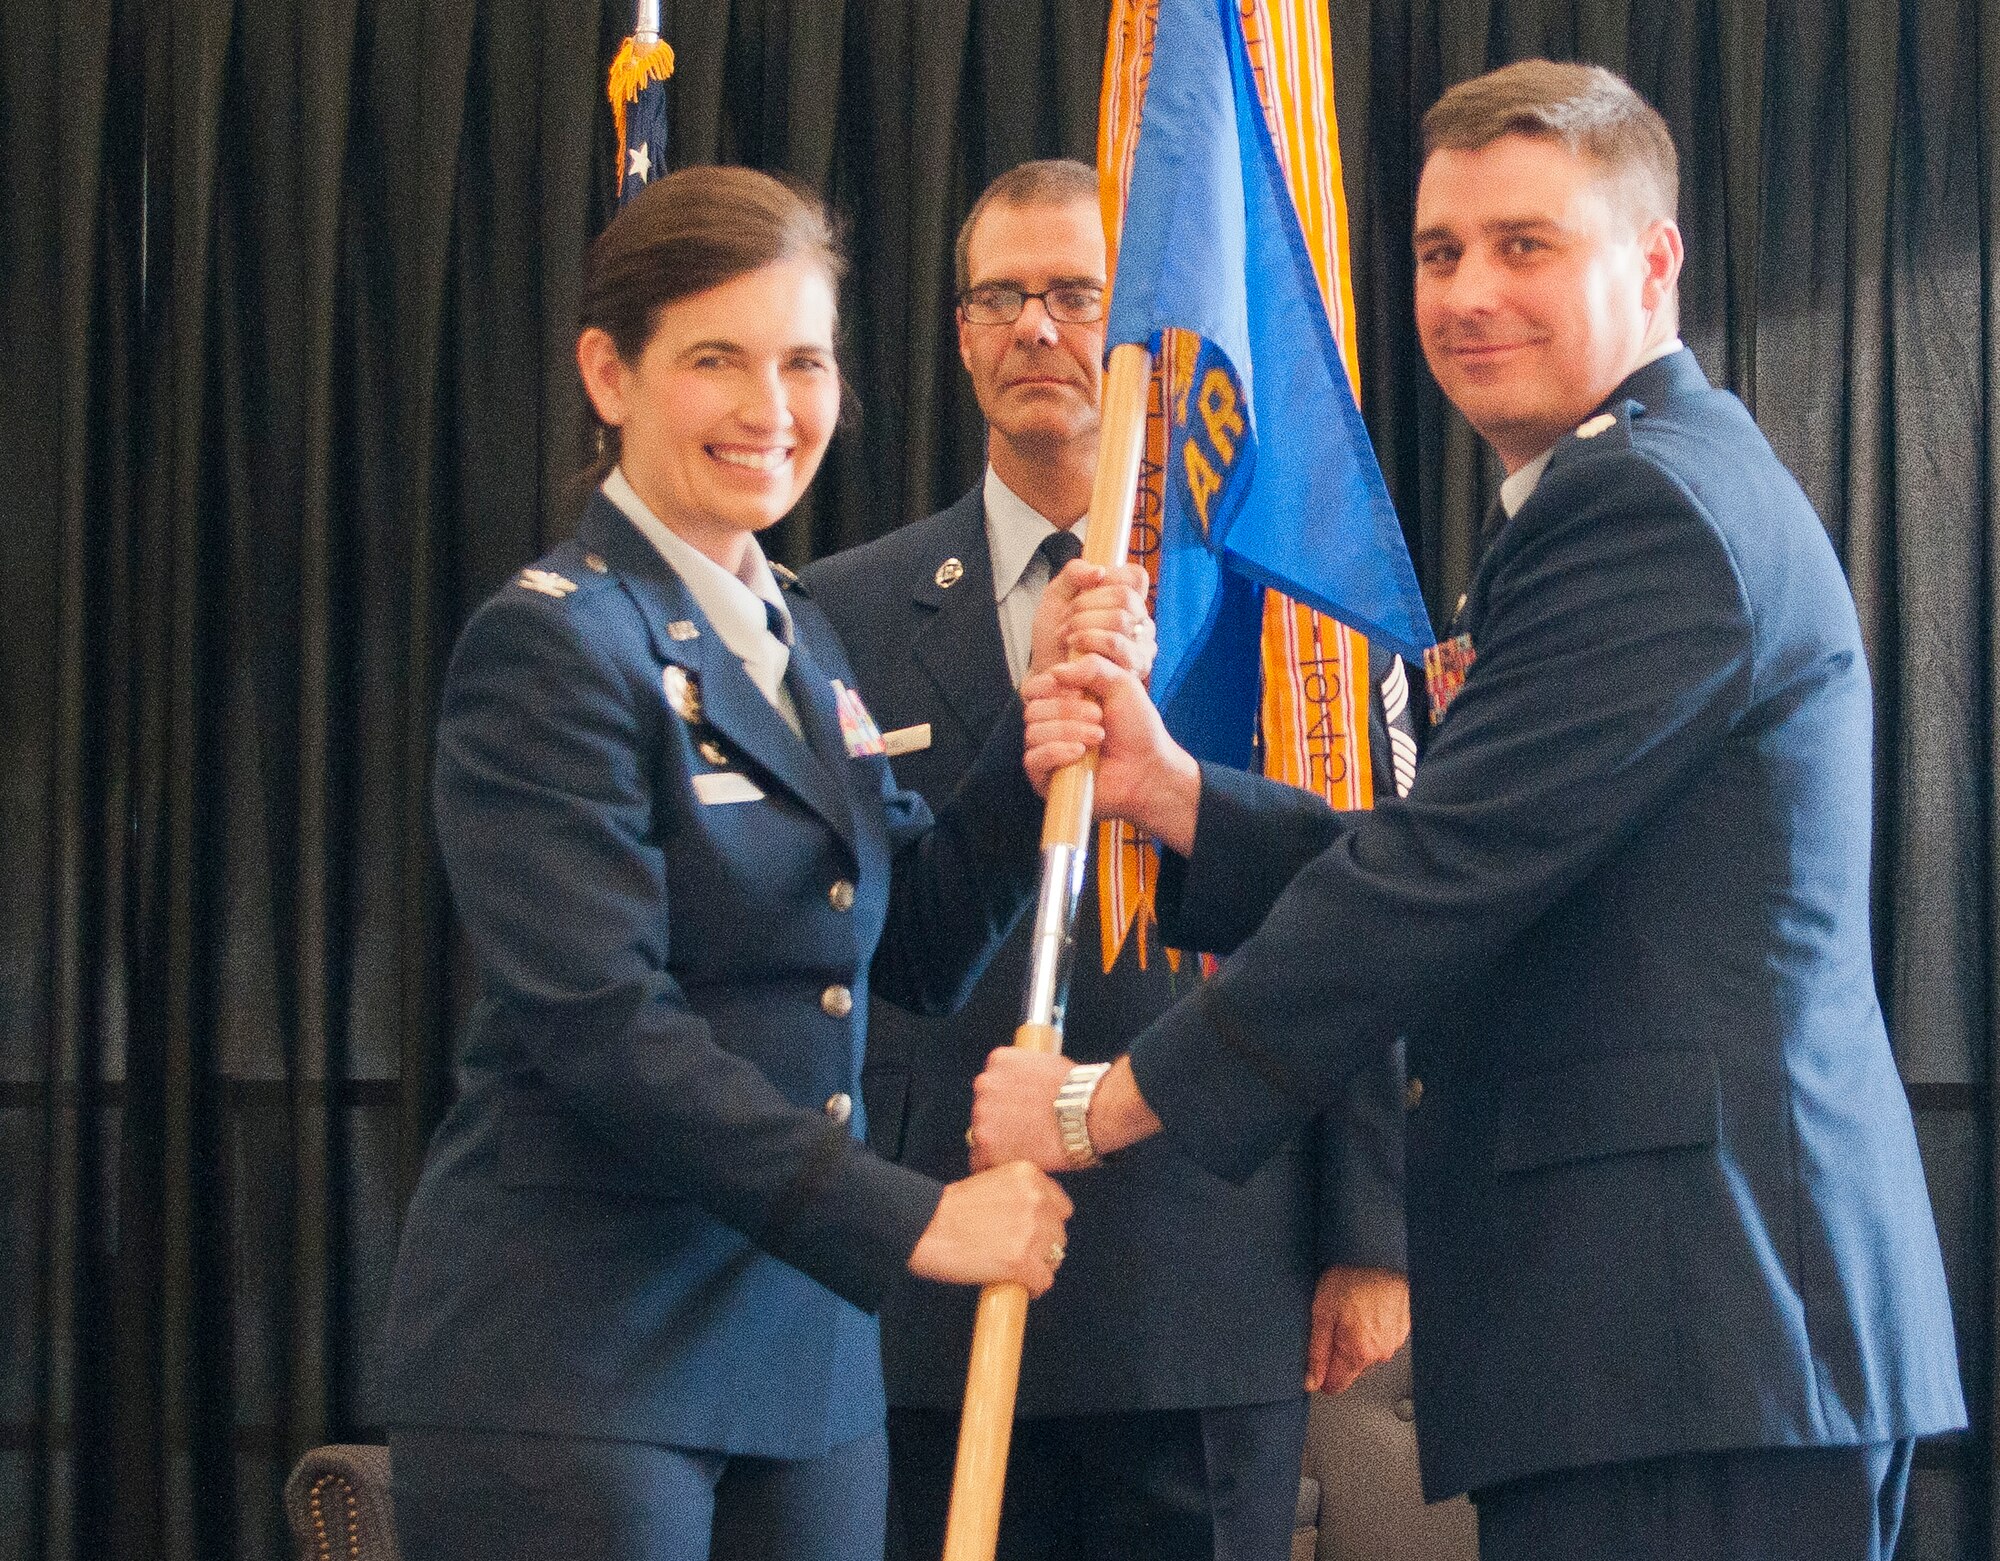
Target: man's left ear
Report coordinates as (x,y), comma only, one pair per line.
(1664,253)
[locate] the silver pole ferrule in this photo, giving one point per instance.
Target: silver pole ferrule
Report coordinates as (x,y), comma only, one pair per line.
(647,28)
(1050,946)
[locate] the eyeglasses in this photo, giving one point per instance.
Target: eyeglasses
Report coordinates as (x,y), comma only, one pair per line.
(1071,303)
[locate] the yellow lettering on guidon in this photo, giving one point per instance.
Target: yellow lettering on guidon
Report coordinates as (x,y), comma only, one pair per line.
(1219,414)
(1222,420)
(1203,479)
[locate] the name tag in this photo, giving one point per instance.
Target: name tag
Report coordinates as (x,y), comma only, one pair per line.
(718,786)
(907,739)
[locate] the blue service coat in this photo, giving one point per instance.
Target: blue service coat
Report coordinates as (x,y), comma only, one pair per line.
(1664,1187)
(1181,1290)
(650,1214)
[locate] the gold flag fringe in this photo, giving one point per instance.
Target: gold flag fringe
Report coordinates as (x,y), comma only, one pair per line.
(630,73)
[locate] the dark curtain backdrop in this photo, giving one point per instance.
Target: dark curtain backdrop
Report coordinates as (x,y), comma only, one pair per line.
(285,373)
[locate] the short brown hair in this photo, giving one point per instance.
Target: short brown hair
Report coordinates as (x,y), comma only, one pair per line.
(686,232)
(1054,181)
(1592,111)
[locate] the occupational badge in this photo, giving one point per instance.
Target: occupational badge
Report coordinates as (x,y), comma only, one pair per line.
(683,694)
(1445,666)
(857,727)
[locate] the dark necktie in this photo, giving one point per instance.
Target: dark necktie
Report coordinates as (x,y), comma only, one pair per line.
(1055,550)
(1058,548)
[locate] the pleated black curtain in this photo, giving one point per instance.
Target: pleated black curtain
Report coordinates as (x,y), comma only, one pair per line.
(286,387)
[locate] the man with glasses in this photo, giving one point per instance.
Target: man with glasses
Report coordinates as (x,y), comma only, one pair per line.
(1160,1411)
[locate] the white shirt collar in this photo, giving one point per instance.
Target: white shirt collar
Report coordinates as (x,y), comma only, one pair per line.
(733,603)
(1014,529)
(1515,490)
(1519,484)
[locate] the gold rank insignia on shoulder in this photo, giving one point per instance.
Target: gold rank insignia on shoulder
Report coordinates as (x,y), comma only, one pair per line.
(547,582)
(1604,422)
(683,629)
(949,573)
(683,694)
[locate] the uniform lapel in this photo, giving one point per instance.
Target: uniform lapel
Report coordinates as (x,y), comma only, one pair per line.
(730,701)
(959,646)
(812,692)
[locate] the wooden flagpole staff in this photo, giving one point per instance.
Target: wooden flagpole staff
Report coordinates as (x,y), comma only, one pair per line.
(972,1530)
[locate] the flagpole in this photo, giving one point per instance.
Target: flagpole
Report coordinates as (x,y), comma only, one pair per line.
(972,1530)
(646,25)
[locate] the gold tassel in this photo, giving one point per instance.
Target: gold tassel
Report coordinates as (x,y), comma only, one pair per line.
(630,73)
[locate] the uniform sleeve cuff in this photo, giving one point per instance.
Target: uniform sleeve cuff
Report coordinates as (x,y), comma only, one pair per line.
(852,1220)
(1364,1227)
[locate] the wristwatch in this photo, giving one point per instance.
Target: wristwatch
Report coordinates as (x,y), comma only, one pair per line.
(1073,1113)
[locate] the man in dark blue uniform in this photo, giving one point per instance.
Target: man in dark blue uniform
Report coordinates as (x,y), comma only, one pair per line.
(1677,1284)
(1160,1403)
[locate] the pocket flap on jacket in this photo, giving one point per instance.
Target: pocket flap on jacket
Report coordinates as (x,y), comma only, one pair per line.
(1617,1105)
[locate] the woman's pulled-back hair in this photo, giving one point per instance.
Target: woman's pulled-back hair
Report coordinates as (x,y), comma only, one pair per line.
(683,234)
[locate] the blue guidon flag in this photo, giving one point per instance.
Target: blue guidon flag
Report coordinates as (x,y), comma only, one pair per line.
(637,88)
(1271,480)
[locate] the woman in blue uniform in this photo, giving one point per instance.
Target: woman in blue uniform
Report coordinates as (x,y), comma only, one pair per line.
(632,1314)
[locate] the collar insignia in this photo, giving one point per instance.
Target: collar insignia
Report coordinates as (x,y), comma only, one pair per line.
(547,582)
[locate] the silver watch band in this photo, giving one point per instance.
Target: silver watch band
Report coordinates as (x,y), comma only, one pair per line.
(1073,1113)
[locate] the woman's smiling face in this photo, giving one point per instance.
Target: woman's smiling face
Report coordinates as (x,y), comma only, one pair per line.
(725,415)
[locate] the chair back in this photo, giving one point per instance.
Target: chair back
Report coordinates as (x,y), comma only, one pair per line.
(1361,1448)
(337,1502)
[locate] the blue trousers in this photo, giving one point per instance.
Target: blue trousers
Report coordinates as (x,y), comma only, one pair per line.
(496,1496)
(1160,1485)
(1758,1504)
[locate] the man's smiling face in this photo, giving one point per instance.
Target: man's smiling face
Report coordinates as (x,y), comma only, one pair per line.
(1539,287)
